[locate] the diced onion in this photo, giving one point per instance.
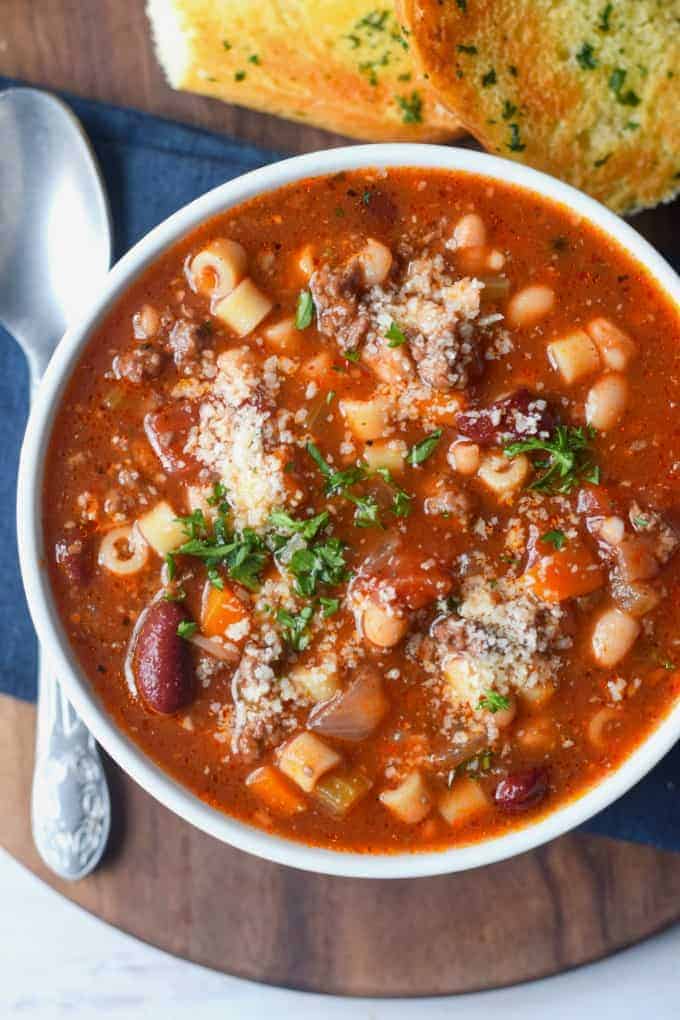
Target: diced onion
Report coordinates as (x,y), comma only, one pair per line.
(218,650)
(354,713)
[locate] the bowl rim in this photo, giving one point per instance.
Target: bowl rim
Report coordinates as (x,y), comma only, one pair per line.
(117,744)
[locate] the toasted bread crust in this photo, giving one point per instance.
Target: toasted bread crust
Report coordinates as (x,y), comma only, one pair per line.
(339,64)
(587,90)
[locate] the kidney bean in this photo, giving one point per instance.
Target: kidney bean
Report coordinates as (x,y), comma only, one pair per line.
(522,790)
(161,662)
(519,415)
(74,557)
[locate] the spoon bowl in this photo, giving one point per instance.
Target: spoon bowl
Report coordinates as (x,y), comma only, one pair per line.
(54,218)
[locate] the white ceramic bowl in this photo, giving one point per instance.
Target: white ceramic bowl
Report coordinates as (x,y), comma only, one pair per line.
(32,552)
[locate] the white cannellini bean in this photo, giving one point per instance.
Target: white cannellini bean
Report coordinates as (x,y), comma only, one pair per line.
(504,475)
(495,260)
(606,401)
(574,356)
(616,347)
(218,268)
(614,635)
(470,231)
(529,305)
(381,627)
(244,309)
(123,551)
(464,457)
(376,260)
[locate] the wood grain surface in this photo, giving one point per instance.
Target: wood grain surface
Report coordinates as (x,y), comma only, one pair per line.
(575,900)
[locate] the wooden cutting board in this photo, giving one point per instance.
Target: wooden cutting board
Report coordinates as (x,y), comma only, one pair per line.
(573,901)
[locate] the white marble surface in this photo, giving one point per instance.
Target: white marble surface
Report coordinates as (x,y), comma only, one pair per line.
(56,961)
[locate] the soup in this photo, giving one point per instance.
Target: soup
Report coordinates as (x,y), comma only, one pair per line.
(360,509)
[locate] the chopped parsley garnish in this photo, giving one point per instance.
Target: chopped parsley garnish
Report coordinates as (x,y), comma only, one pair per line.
(219,498)
(295,628)
(586,57)
(336,481)
(616,83)
(194,524)
(492,701)
(329,607)
(171,566)
(667,664)
(353,356)
(395,335)
(401,504)
(226,45)
(367,512)
(605,15)
(239,75)
(556,538)
(254,58)
(424,449)
(366,197)
(509,110)
(411,108)
(466,49)
(243,555)
(462,5)
(602,160)
(320,563)
(307,527)
(569,459)
(489,78)
(640,522)
(515,144)
(187,628)
(304,313)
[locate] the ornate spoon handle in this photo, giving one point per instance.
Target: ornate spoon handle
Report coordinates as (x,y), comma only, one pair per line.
(70,807)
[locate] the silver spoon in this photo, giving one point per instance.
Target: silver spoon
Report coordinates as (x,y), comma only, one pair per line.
(55,249)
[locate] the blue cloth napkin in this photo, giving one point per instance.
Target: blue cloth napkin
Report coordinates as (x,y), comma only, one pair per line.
(151,168)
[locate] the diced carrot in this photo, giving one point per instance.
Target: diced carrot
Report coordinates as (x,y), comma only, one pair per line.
(221,609)
(275,791)
(565,574)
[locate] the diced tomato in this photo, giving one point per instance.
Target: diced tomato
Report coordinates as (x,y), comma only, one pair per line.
(565,574)
(221,609)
